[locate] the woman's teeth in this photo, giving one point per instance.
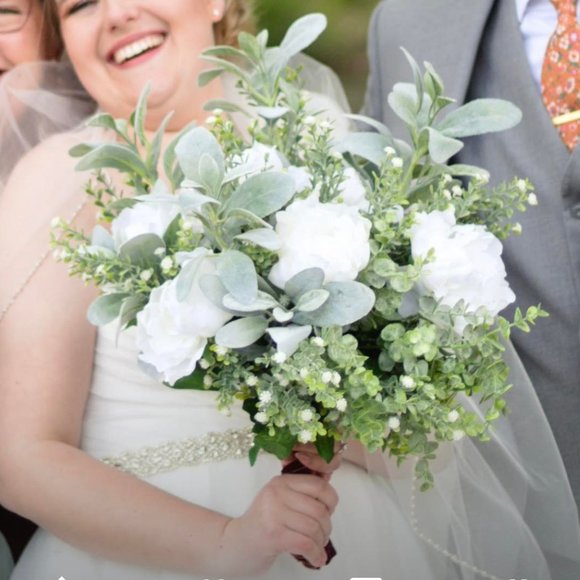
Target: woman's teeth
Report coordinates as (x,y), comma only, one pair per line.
(137,48)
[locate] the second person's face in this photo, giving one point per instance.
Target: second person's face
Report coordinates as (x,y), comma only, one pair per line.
(20,33)
(117,46)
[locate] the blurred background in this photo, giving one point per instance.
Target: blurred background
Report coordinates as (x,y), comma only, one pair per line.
(343,44)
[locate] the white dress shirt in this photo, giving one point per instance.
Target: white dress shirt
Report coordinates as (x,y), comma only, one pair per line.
(538,21)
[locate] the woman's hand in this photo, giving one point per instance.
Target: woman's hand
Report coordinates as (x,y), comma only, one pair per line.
(308,455)
(291,514)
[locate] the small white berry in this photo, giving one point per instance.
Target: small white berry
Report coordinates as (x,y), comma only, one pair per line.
(221,350)
(458,435)
(305,436)
(279,358)
(251,380)
(389,151)
(341,405)
(318,341)
(394,423)
(159,252)
(306,415)
(203,364)
(457,191)
(453,416)
(397,162)
(146,275)
(521,185)
(517,228)
(326,377)
(261,417)
(336,378)
(533,199)
(207,381)
(167,263)
(265,397)
(446,194)
(408,382)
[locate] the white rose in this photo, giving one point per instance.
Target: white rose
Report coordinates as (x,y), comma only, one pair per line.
(352,190)
(172,335)
(260,158)
(333,237)
(301,176)
(143,218)
(467,264)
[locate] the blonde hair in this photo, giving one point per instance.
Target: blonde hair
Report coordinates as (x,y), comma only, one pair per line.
(238,17)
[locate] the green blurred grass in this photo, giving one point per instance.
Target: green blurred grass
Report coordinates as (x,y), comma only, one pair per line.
(343,44)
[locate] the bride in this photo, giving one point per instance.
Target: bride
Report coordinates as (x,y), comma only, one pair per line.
(131,480)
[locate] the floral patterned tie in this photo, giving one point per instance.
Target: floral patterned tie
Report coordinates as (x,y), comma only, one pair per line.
(561,73)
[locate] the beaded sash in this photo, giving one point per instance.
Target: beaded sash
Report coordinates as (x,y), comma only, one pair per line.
(208,448)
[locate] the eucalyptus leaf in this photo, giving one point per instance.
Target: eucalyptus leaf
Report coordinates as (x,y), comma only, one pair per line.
(103,120)
(312,300)
(480,116)
(272,113)
(281,315)
(130,308)
(378,126)
(140,114)
(192,147)
(288,338)
(263,194)
(347,303)
(417,77)
(238,274)
(263,301)
(462,170)
(242,332)
(140,250)
(403,104)
(105,309)
(263,237)
(186,277)
(442,148)
(304,281)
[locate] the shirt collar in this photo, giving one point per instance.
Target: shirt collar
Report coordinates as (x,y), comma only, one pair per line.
(521,6)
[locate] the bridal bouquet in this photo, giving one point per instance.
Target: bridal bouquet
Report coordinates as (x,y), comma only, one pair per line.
(339,287)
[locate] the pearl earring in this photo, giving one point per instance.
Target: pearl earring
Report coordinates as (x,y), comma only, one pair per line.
(217,13)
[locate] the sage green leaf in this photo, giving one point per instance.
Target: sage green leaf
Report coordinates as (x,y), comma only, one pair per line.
(155,148)
(227,65)
(105,309)
(242,332)
(312,300)
(186,277)
(370,146)
(378,126)
(272,113)
(103,120)
(81,150)
(224,51)
(213,289)
(207,76)
(140,250)
(194,382)
(113,156)
(140,114)
(302,33)
(210,174)
(192,147)
(130,308)
(262,302)
(281,315)
(289,338)
(263,237)
(238,274)
(224,105)
(347,303)
(417,77)
(463,170)
(441,147)
(102,238)
(263,194)
(251,48)
(434,78)
(480,116)
(309,279)
(403,104)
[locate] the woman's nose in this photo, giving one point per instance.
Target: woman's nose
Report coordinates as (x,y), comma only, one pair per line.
(118,13)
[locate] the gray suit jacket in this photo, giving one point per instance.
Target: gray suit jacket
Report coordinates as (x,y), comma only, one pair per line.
(476,47)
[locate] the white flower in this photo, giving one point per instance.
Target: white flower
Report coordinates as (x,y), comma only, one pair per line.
(457,191)
(279,358)
(397,162)
(389,151)
(533,199)
(301,176)
(336,378)
(304,373)
(167,264)
(251,380)
(318,341)
(447,178)
(211,120)
(207,381)
(408,382)
(330,236)
(341,405)
(260,158)
(326,377)
(221,350)
(160,252)
(146,275)
(521,185)
(100,270)
(261,417)
(453,416)
(265,397)
(306,415)
(517,228)
(352,190)
(172,335)
(394,423)
(305,436)
(467,264)
(447,194)
(203,364)
(56,222)
(458,435)
(309,120)
(151,217)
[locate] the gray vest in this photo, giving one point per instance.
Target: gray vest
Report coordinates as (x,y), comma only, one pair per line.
(543,263)
(478,49)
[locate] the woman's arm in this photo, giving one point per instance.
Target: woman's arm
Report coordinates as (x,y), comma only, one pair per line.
(46,349)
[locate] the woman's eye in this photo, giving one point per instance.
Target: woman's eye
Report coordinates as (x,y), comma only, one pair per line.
(9,10)
(78,6)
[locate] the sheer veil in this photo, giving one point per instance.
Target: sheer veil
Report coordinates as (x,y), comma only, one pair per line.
(498,510)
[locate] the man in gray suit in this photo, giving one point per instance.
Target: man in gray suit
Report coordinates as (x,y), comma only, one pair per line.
(489,48)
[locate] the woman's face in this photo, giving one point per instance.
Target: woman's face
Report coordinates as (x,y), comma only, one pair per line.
(117,46)
(20,32)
